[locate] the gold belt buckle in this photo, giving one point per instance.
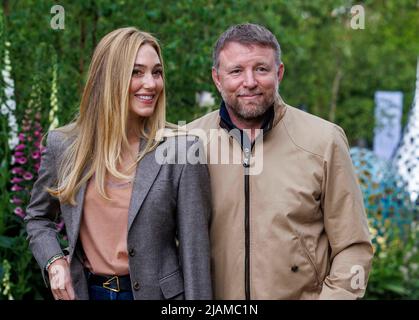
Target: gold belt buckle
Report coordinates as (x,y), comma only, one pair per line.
(106,284)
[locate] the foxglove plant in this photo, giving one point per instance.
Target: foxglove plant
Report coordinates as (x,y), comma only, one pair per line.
(53,98)
(8,105)
(26,157)
(26,160)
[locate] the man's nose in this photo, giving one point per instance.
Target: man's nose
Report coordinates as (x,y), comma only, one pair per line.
(249,80)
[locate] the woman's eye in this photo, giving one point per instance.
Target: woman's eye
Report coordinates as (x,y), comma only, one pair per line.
(158,72)
(137,72)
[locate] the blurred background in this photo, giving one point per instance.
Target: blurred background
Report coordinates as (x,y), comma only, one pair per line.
(352,63)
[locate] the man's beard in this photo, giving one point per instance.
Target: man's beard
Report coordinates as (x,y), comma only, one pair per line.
(250,111)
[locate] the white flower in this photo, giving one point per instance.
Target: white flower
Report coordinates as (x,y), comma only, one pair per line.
(9,105)
(53,99)
(405,272)
(204,99)
(414,267)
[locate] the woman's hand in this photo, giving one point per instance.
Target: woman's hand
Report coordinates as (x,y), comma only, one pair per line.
(60,280)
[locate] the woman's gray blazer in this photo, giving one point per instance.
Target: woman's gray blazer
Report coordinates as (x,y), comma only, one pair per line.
(168,217)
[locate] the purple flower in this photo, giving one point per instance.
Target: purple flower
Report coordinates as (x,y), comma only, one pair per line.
(15,200)
(27,176)
(19,212)
(19,154)
(60,226)
(36,155)
(20,147)
(17,170)
(16,180)
(37,133)
(36,167)
(21,160)
(16,187)
(21,137)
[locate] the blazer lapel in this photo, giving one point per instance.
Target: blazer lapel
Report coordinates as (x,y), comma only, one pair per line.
(145,175)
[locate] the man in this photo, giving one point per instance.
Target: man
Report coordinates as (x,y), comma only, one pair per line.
(295,227)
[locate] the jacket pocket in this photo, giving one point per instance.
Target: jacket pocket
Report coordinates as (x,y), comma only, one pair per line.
(309,258)
(172,284)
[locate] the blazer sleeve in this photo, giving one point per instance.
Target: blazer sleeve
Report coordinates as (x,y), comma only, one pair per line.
(193,215)
(345,224)
(43,210)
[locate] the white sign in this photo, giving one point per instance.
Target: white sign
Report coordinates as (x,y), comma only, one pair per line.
(388,115)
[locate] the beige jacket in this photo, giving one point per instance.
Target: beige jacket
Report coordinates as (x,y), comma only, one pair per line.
(297,230)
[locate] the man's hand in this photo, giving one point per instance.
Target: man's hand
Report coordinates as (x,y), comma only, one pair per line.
(60,280)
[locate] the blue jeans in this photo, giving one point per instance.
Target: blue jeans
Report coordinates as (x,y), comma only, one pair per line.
(100,293)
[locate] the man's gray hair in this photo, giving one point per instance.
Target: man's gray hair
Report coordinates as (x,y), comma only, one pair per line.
(246,34)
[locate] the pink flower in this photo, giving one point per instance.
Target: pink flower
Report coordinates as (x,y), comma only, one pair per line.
(36,155)
(36,167)
(16,187)
(28,176)
(30,138)
(37,133)
(16,180)
(26,128)
(15,200)
(60,225)
(19,154)
(17,170)
(21,160)
(20,147)
(19,212)
(21,137)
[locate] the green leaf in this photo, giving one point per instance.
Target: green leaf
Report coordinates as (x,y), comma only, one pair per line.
(7,242)
(395,287)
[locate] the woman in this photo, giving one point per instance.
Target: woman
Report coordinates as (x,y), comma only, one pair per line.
(137,228)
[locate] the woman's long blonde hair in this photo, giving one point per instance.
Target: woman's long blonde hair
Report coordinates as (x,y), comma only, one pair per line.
(98,134)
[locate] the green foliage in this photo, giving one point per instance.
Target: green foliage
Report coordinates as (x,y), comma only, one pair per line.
(319,49)
(395,268)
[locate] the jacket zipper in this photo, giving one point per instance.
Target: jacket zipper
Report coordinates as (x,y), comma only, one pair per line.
(246,164)
(247,147)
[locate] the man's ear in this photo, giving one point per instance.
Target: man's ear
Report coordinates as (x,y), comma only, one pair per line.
(281,70)
(216,78)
